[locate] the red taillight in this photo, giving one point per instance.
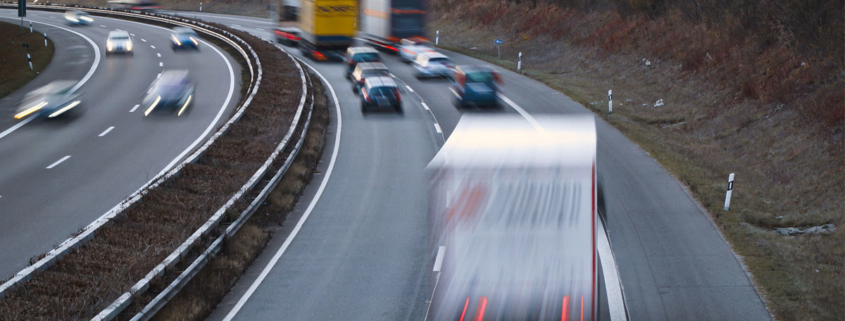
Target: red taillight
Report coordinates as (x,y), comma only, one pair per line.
(391,48)
(366,96)
(317,55)
(463,314)
(564,315)
(482,306)
(397,94)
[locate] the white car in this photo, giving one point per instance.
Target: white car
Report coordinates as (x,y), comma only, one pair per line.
(409,48)
(118,42)
(432,64)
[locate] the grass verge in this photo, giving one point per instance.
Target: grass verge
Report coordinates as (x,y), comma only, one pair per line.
(14,68)
(202,294)
(785,144)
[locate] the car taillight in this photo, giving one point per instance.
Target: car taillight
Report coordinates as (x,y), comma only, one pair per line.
(366,96)
(318,55)
(397,94)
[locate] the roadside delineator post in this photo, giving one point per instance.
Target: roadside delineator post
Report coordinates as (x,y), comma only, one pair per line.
(610,101)
(30,27)
(200,6)
(437,38)
(29,59)
(519,62)
(730,189)
(45,39)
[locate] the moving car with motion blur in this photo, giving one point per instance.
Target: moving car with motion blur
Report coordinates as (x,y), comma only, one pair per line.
(172,92)
(118,42)
(366,70)
(78,18)
(287,36)
(431,65)
(512,219)
(380,92)
(475,85)
(410,48)
(355,55)
(53,100)
(184,38)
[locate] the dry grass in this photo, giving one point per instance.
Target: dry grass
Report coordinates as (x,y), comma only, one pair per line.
(732,105)
(14,69)
(202,294)
(88,279)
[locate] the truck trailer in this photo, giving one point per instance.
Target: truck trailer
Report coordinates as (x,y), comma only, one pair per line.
(325,27)
(384,23)
(512,220)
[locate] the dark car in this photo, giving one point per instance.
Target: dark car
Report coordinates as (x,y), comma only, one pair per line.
(173,91)
(55,99)
(475,85)
(184,38)
(366,70)
(288,36)
(380,92)
(355,55)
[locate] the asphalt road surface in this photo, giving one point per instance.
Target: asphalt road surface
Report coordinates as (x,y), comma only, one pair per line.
(360,255)
(99,158)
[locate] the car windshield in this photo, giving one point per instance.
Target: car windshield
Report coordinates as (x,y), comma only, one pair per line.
(479,77)
(439,60)
(120,37)
(382,91)
(366,57)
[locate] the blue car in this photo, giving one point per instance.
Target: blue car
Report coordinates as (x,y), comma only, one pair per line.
(475,85)
(172,92)
(78,18)
(184,38)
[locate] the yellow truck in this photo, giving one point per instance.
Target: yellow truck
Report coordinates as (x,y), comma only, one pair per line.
(327,27)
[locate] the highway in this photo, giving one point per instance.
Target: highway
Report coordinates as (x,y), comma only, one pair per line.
(58,176)
(360,252)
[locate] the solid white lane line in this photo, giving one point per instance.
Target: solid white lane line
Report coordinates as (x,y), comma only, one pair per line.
(305,215)
(151,46)
(437,128)
(409,88)
(438,261)
(134,108)
(160,64)
(58,162)
(392,75)
(158,54)
(425,106)
(75,87)
(612,284)
(144,40)
(106,131)
(102,26)
(522,112)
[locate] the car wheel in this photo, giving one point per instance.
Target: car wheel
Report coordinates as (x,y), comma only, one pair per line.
(363,108)
(398,108)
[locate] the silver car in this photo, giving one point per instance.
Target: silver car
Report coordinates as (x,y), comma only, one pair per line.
(53,100)
(118,42)
(78,18)
(432,64)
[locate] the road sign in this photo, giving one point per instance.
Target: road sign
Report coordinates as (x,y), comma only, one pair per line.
(21,8)
(498,41)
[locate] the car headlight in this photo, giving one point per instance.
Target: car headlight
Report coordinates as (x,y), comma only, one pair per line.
(109,45)
(30,110)
(86,19)
(72,19)
(129,46)
(176,40)
(196,43)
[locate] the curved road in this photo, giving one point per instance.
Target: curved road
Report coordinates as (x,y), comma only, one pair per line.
(98,159)
(360,255)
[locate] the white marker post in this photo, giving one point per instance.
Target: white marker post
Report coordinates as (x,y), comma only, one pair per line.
(648,68)
(45,39)
(519,63)
(437,38)
(610,101)
(29,59)
(30,27)
(200,6)
(730,189)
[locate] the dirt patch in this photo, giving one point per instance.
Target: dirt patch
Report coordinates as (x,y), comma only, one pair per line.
(123,251)
(14,68)
(756,102)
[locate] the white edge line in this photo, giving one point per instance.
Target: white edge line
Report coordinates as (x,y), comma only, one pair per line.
(612,283)
(106,131)
(409,88)
(437,128)
(58,162)
(289,239)
(134,108)
(522,112)
(425,106)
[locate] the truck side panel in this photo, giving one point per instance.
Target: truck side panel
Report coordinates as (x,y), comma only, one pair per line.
(392,20)
(328,22)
